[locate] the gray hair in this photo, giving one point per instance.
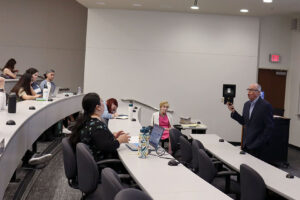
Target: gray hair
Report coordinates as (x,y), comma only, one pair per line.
(258,87)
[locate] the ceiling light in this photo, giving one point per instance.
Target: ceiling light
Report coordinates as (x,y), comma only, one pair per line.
(244,10)
(137,5)
(268,1)
(195,6)
(100,3)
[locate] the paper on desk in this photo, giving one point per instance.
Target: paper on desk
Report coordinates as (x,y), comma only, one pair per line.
(134,139)
(122,117)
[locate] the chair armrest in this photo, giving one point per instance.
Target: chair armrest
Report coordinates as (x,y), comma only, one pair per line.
(226,173)
(215,162)
(124,176)
(108,161)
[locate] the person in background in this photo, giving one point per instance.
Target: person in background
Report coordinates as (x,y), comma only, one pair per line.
(257,121)
(23,88)
(49,77)
(24,91)
(9,71)
(163,119)
(90,130)
(110,109)
(35,74)
(2,94)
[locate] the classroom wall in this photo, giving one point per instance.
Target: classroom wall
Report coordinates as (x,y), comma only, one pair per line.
(182,58)
(45,34)
(294,96)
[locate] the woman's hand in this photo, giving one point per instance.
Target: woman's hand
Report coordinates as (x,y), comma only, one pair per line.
(37,95)
(117,134)
(124,138)
(115,115)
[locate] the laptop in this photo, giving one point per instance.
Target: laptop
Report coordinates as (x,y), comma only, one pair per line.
(155,137)
(54,94)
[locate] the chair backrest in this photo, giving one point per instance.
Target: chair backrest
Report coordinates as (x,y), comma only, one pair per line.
(111,184)
(174,139)
(206,169)
(252,184)
(186,151)
(131,193)
(87,169)
(196,145)
(69,158)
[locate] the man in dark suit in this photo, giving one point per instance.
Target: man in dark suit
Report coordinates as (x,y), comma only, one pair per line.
(257,121)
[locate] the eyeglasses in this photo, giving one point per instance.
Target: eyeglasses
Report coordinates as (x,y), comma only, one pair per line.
(252,90)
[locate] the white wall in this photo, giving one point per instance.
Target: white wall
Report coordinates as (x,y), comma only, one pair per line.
(294,72)
(183,58)
(45,34)
(274,38)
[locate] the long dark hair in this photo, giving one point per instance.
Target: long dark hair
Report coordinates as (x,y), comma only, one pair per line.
(10,64)
(24,82)
(89,103)
(31,71)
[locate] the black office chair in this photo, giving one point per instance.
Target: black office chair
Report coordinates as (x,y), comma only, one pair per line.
(252,184)
(196,145)
(70,163)
(220,180)
(88,175)
(186,152)
(175,144)
(132,194)
(111,184)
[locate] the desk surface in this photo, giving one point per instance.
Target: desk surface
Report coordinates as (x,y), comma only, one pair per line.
(30,124)
(155,176)
(274,178)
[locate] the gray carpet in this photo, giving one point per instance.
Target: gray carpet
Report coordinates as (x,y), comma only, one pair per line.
(52,183)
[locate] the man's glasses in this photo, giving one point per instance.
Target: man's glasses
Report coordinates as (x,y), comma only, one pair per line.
(252,90)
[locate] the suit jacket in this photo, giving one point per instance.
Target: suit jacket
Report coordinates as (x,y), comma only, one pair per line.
(257,129)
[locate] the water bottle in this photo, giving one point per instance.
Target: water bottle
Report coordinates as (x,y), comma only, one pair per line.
(143,143)
(46,92)
(2,100)
(130,111)
(12,103)
(79,90)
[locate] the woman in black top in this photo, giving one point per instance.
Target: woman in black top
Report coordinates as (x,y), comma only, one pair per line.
(90,130)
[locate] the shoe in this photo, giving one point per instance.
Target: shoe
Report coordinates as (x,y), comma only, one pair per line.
(66,131)
(40,160)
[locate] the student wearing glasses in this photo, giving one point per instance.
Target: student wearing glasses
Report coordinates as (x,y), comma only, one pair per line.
(163,119)
(257,121)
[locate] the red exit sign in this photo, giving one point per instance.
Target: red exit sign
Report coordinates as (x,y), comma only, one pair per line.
(274,58)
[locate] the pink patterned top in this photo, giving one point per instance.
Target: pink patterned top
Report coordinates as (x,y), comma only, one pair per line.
(164,122)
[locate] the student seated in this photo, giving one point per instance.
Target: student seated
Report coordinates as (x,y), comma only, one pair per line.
(90,130)
(35,74)
(23,88)
(9,71)
(110,109)
(24,91)
(49,77)
(163,119)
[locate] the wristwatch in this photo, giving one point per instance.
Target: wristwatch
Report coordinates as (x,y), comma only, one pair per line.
(1,90)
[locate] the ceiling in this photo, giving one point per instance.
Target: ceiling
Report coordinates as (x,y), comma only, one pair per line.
(227,7)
